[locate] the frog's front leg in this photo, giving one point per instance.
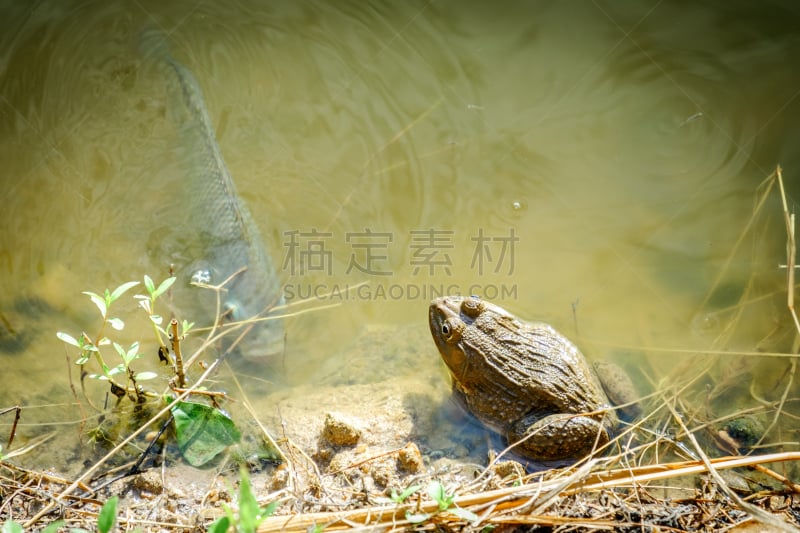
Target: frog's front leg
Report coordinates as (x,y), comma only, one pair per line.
(557,437)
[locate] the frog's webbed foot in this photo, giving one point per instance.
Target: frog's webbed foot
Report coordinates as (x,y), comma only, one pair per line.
(557,437)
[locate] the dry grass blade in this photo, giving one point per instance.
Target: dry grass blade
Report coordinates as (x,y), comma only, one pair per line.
(516,499)
(791,250)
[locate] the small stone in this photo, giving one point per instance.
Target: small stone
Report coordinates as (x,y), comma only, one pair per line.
(409,458)
(279,479)
(619,388)
(339,430)
(339,463)
(148,481)
(324,454)
(505,469)
(383,474)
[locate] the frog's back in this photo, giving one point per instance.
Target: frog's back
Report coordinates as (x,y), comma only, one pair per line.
(558,373)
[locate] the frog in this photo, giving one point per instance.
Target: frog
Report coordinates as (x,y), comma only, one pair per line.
(522,380)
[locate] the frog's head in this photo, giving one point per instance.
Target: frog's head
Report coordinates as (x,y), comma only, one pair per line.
(449,318)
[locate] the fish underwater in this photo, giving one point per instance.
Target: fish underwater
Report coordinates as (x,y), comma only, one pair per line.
(221,237)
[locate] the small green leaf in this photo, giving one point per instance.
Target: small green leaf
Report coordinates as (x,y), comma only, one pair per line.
(269,509)
(9,526)
(464,514)
(120,350)
(116,323)
(119,369)
(165,285)
(69,339)
(437,492)
(99,301)
(144,376)
(122,289)
(221,525)
(105,341)
(108,515)
(400,498)
(132,353)
(186,326)
(83,359)
(145,304)
(156,319)
(202,432)
(149,285)
(249,513)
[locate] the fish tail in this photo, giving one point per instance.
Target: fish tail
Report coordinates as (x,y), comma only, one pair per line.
(186,102)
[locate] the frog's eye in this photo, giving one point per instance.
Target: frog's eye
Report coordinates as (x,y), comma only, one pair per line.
(451,330)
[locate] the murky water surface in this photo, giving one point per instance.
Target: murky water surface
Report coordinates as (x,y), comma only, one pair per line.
(592,164)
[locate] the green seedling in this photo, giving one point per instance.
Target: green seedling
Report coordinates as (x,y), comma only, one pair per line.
(399,498)
(202,431)
(148,303)
(446,502)
(249,514)
(108,515)
(403,496)
(90,349)
(121,376)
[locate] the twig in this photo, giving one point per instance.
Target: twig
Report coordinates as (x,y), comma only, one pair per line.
(791,250)
(513,497)
(176,349)
(739,241)
(17,413)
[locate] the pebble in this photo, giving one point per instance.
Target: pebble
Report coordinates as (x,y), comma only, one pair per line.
(410,459)
(340,430)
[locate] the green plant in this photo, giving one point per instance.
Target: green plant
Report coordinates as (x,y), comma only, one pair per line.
(400,498)
(446,502)
(249,515)
(90,348)
(202,430)
(108,515)
(148,303)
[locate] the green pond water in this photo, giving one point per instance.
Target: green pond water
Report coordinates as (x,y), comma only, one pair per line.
(594,164)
